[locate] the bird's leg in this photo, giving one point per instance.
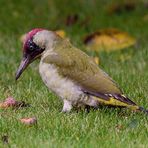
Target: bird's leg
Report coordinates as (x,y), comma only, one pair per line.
(67,106)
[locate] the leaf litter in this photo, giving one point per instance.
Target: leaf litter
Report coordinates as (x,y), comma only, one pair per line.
(11,102)
(109,39)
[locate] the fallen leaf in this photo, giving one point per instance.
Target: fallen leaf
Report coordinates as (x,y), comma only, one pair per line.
(96,60)
(22,38)
(61,33)
(29,121)
(11,102)
(109,40)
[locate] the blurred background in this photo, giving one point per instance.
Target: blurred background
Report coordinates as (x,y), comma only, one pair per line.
(77,18)
(114,33)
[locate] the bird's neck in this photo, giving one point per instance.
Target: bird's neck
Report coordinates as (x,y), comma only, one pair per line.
(50,47)
(51,39)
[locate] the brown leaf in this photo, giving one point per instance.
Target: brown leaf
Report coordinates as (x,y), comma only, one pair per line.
(29,121)
(109,39)
(11,102)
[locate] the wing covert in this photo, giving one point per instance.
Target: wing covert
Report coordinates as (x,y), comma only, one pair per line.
(74,64)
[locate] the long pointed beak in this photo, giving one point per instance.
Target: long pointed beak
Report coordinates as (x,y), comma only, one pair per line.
(24,63)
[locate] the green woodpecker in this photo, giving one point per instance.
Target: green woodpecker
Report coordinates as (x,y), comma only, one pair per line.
(70,73)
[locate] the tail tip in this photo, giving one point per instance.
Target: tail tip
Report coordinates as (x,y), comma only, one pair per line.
(143,110)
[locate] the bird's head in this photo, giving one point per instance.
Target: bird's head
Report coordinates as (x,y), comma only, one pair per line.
(36,41)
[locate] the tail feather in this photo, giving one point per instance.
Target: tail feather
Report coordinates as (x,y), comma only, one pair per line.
(117,100)
(141,109)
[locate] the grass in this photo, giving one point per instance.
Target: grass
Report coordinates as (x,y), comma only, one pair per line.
(102,128)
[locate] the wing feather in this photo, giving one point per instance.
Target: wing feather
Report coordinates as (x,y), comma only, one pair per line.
(81,69)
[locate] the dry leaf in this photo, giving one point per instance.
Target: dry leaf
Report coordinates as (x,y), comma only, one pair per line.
(22,38)
(109,40)
(29,121)
(11,102)
(61,33)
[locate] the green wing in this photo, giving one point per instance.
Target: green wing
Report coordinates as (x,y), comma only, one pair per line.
(80,68)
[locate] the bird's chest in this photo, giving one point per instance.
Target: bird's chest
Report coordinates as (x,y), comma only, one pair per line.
(50,76)
(63,87)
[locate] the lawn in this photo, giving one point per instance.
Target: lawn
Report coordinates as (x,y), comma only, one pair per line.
(105,127)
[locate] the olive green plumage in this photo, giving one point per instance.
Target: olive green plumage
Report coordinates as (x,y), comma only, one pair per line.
(77,66)
(80,68)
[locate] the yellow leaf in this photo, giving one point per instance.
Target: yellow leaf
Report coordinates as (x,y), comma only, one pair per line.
(61,33)
(95,59)
(109,40)
(22,38)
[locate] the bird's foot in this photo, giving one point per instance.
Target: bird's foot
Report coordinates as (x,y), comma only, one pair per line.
(67,106)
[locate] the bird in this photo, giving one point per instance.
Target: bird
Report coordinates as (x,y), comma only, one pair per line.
(70,73)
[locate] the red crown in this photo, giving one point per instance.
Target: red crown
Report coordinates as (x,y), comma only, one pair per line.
(30,35)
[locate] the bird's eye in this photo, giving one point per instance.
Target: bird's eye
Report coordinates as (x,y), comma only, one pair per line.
(31,47)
